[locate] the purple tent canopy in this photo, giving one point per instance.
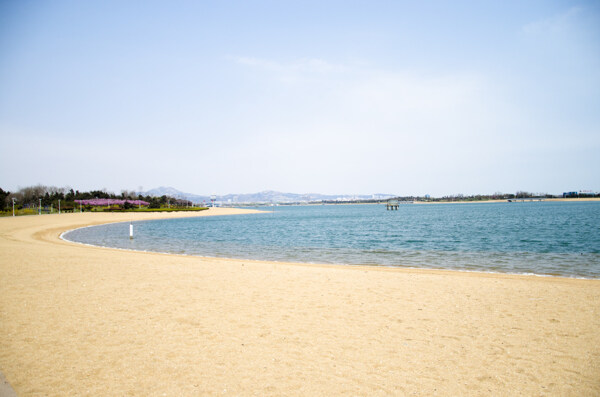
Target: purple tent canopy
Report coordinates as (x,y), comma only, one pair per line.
(110,202)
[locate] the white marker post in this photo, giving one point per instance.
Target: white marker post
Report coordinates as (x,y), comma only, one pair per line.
(130,231)
(13,200)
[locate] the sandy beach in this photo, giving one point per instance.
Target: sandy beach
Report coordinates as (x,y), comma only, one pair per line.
(80,320)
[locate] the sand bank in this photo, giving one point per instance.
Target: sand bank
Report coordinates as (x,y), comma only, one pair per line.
(78,320)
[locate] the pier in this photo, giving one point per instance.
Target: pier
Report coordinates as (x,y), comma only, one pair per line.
(394,204)
(391,205)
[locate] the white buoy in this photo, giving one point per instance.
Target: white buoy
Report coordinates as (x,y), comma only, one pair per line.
(131,230)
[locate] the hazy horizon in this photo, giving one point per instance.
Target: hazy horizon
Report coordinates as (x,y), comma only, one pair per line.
(404,98)
(178,192)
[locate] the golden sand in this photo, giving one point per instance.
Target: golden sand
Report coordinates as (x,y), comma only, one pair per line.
(79,320)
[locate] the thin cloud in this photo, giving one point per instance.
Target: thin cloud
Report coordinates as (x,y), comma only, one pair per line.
(298,66)
(258,63)
(351,91)
(557,24)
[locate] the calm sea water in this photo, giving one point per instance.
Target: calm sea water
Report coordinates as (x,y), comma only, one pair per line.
(539,237)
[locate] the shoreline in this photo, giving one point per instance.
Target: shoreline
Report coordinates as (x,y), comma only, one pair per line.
(550,200)
(292,262)
(367,266)
(82,319)
(555,200)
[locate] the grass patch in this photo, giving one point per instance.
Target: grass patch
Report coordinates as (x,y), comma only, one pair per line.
(19,212)
(155,209)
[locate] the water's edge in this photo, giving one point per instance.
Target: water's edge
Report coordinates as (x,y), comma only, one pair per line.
(63,237)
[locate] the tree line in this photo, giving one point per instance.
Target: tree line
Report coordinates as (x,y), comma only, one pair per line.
(29,197)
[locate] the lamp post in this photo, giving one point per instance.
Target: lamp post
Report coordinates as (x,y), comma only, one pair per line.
(13,200)
(58,206)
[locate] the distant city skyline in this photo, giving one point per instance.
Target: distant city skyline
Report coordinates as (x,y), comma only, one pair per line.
(406,98)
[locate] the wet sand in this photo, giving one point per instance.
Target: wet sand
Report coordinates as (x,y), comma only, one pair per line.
(79,320)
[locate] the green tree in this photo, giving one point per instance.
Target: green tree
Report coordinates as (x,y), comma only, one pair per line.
(46,200)
(154,202)
(3,199)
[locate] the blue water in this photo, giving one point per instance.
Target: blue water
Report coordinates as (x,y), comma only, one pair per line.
(543,238)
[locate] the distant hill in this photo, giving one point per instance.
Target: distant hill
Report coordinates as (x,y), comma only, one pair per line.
(172,192)
(267,196)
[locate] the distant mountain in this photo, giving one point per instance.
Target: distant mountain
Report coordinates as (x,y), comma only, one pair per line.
(267,196)
(172,192)
(164,191)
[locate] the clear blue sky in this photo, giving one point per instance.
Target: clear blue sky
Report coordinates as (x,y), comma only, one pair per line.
(353,97)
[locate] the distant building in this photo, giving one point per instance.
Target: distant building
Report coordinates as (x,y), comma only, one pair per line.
(570,194)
